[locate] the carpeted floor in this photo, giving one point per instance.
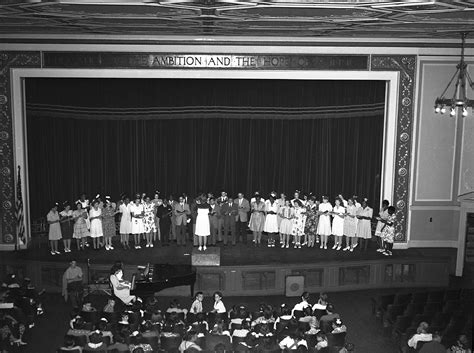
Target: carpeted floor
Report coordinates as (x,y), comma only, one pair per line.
(354,308)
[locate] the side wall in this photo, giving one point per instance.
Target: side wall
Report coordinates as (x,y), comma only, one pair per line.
(443,163)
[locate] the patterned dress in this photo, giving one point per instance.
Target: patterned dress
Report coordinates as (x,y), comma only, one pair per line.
(388,231)
(312,220)
(149,219)
(299,221)
(108,221)
(80,227)
(257,219)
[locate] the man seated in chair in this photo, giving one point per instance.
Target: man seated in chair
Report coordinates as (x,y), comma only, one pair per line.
(121,288)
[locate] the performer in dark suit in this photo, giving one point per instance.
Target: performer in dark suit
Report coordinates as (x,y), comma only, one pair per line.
(181,212)
(164,212)
(229,211)
(243,206)
(214,219)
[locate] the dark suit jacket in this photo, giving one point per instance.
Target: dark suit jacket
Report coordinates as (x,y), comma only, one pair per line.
(215,215)
(229,211)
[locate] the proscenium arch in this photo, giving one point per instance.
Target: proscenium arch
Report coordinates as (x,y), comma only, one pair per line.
(393,70)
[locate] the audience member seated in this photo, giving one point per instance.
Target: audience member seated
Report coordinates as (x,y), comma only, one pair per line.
(434,346)
(243,331)
(189,341)
(325,323)
(322,341)
(338,326)
(265,315)
(136,344)
(293,340)
(283,319)
(175,307)
(70,346)
(301,305)
(96,343)
(218,335)
(461,346)
(420,335)
(196,306)
(110,306)
(120,344)
(219,307)
(310,320)
(149,334)
(102,327)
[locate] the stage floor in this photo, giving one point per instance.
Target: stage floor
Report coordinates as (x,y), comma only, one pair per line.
(237,255)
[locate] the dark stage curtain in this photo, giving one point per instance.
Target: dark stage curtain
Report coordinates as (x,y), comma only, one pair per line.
(325,156)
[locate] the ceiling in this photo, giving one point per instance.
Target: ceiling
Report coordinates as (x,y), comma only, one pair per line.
(279,18)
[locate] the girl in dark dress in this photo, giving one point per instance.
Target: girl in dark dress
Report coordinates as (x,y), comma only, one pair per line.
(67,225)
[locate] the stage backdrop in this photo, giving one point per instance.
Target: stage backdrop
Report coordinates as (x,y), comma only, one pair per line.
(124,135)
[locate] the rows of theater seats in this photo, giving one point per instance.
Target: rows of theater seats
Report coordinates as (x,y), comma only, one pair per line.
(448,312)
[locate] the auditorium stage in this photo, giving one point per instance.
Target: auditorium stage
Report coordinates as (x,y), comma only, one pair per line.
(249,270)
(238,255)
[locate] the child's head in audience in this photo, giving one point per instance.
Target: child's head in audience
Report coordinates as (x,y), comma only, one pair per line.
(323,299)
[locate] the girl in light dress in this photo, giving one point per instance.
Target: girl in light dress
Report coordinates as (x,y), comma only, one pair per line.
(125,222)
(54,228)
(299,221)
(81,231)
(95,217)
(350,225)
(324,225)
(108,222)
(280,202)
(286,213)
(364,228)
(271,221)
(257,219)
(203,224)
(137,213)
(383,215)
(67,226)
(149,221)
(338,224)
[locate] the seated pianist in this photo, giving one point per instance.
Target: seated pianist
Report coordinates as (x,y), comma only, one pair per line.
(121,288)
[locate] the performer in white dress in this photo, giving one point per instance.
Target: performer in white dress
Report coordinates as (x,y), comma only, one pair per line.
(364,228)
(95,217)
(382,217)
(324,225)
(271,220)
(338,224)
(350,225)
(137,213)
(125,222)
(203,226)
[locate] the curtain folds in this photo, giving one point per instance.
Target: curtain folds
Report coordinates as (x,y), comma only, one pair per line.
(247,153)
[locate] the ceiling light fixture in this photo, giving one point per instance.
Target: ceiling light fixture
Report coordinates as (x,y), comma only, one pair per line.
(459,100)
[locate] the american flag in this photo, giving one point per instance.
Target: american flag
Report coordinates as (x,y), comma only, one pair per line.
(20,226)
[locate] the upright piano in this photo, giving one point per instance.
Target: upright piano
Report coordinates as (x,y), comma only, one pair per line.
(157,277)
